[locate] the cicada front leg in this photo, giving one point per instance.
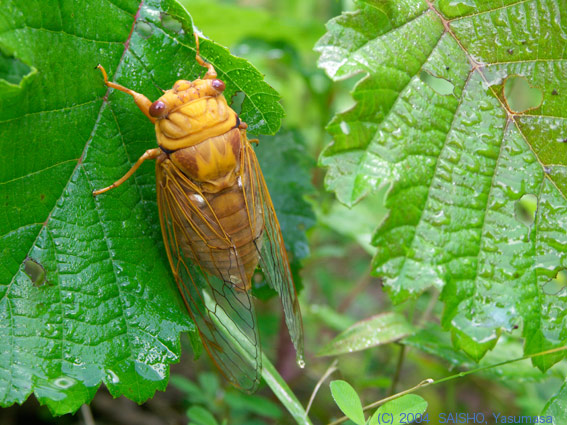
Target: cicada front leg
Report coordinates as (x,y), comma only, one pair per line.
(149,154)
(211,74)
(141,101)
(144,104)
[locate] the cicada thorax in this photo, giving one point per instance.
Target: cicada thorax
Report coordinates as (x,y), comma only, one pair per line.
(189,119)
(204,148)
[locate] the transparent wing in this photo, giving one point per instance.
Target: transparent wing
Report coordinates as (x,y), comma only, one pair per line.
(219,302)
(271,247)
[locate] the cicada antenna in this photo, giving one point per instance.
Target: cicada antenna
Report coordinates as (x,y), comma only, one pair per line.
(211,73)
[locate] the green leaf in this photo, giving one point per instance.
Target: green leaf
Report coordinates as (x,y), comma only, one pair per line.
(110,312)
(458,159)
(434,341)
(286,167)
(348,401)
(376,330)
(201,416)
(402,410)
(557,406)
(12,70)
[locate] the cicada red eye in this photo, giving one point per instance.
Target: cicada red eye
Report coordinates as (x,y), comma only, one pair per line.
(158,109)
(218,85)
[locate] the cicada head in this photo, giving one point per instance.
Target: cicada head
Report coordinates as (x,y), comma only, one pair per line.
(190,112)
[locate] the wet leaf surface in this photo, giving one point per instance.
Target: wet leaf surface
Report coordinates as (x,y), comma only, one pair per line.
(376,330)
(459,158)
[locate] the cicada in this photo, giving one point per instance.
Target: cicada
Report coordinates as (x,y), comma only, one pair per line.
(217,220)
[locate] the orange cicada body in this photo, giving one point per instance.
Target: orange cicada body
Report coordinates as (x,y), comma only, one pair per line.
(217,220)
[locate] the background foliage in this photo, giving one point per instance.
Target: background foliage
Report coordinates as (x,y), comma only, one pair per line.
(422,134)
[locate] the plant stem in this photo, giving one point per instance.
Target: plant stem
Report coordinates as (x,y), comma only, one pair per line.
(479,369)
(432,301)
(283,392)
(401,357)
(87,414)
(360,286)
(327,373)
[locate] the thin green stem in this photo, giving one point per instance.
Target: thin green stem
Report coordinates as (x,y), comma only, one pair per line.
(327,373)
(401,357)
(430,381)
(479,369)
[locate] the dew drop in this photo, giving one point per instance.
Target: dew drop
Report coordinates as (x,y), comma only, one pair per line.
(112,376)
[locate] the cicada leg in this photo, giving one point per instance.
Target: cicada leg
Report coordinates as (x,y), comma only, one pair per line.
(141,101)
(149,154)
(211,73)
(244,126)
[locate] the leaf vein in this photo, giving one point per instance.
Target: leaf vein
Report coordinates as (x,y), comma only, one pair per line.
(38,171)
(65,108)
(507,6)
(62,32)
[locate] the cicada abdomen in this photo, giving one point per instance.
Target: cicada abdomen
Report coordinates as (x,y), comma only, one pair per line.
(218,222)
(225,218)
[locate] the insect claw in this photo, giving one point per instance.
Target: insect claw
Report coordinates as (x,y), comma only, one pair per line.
(211,74)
